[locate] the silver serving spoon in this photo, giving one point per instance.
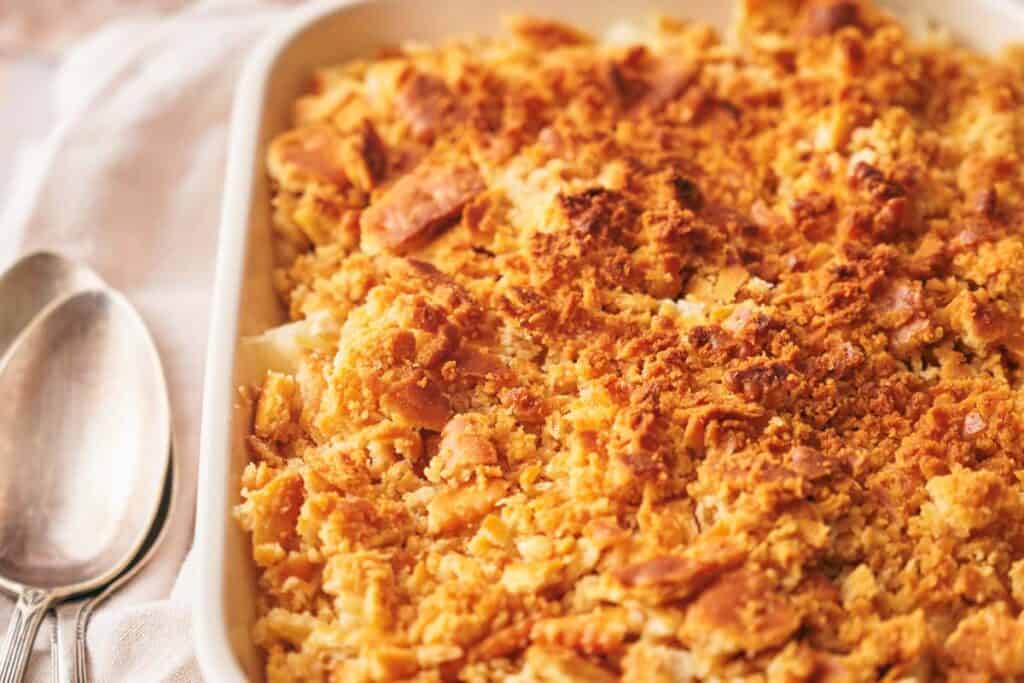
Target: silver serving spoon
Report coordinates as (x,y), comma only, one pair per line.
(33,283)
(85,429)
(73,666)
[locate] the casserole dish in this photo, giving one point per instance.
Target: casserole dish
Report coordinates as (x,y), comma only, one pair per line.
(244,300)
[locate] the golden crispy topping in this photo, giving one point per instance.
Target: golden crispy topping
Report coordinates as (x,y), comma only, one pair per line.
(276,408)
(457,507)
(601,632)
(828,16)
(372,165)
(545,34)
(308,154)
(677,361)
(740,613)
(417,400)
(425,102)
(552,665)
(419,205)
(673,578)
(989,642)
(462,447)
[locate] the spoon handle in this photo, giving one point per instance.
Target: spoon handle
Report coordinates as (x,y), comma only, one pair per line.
(81,674)
(28,614)
(69,659)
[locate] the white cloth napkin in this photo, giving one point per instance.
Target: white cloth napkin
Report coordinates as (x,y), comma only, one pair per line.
(130,183)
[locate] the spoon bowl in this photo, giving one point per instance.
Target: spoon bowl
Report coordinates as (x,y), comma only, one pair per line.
(33,283)
(84,442)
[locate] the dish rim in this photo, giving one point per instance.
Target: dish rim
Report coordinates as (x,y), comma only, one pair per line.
(216,657)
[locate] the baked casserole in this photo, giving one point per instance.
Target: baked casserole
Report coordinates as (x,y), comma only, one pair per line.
(661,357)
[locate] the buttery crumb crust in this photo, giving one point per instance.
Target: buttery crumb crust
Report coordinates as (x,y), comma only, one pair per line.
(689,360)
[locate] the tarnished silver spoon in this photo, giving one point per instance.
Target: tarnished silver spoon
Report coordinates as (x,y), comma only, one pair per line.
(84,444)
(30,285)
(34,282)
(26,288)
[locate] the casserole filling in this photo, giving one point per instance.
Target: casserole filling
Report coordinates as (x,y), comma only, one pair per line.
(657,358)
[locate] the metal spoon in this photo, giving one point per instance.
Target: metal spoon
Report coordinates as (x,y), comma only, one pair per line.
(85,429)
(34,282)
(73,666)
(31,284)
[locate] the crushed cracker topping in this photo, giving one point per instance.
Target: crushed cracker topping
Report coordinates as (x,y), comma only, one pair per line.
(667,361)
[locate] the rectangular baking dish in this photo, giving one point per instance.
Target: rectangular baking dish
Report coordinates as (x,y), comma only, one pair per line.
(244,302)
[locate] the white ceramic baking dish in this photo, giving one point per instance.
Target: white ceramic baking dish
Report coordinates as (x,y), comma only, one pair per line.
(244,303)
